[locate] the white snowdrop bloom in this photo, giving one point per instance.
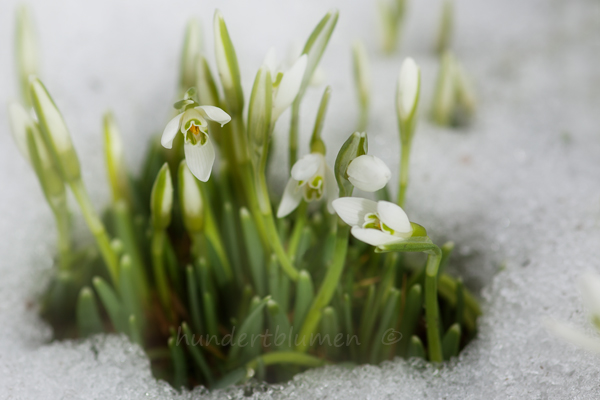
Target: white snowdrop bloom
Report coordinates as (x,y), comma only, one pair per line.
(193,125)
(376,223)
(409,82)
(285,84)
(368,173)
(311,179)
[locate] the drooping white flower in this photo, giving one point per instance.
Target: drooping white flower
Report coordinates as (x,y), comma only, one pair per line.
(376,223)
(368,173)
(193,125)
(285,84)
(311,179)
(590,290)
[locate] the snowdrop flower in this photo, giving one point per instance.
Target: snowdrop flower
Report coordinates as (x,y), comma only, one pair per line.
(409,82)
(193,125)
(311,179)
(285,84)
(368,173)
(376,223)
(590,288)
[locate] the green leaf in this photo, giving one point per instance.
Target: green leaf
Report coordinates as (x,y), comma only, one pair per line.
(252,325)
(305,294)
(316,142)
(112,305)
(197,356)
(88,317)
(415,348)
(279,326)
(254,249)
(451,342)
(180,378)
(410,317)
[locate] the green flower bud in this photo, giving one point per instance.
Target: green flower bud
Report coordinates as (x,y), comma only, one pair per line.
(189,55)
(227,65)
(161,202)
(54,130)
(115,160)
(26,51)
(259,114)
(190,196)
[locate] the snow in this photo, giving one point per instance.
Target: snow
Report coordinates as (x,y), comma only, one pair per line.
(518,190)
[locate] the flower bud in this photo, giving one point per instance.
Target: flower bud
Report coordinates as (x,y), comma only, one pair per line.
(315,46)
(26,51)
(192,206)
(356,145)
(189,55)
(407,97)
(368,173)
(227,65)
(55,132)
(259,113)
(115,160)
(161,201)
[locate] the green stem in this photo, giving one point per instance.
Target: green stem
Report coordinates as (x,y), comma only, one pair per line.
(63,227)
(432,319)
(293,137)
(330,283)
(404,166)
(363,119)
(277,247)
(97,228)
(297,232)
(158,264)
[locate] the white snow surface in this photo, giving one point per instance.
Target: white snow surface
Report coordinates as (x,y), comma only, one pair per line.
(518,190)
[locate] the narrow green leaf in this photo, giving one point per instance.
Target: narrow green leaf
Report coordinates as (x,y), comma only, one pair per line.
(279,326)
(305,294)
(194,301)
(180,378)
(254,249)
(451,342)
(412,311)
(112,305)
(88,317)
(252,326)
(415,348)
(197,355)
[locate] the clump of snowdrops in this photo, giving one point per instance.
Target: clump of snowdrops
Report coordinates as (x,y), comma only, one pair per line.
(219,276)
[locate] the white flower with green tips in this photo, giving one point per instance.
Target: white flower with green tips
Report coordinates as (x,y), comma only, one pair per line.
(286,84)
(193,125)
(311,179)
(376,223)
(368,173)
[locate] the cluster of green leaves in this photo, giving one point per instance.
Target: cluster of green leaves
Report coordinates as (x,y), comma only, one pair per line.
(224,292)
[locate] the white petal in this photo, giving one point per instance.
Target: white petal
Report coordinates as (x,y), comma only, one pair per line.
(292,195)
(271,60)
(170,132)
(306,167)
(200,158)
(394,216)
(353,209)
(368,173)
(214,114)
(374,237)
(289,86)
(408,86)
(574,336)
(590,290)
(331,188)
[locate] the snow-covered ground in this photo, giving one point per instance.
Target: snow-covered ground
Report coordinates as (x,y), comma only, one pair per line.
(518,191)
